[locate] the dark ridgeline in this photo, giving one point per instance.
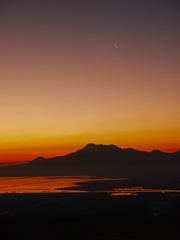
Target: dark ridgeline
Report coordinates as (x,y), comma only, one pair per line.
(96,215)
(100,160)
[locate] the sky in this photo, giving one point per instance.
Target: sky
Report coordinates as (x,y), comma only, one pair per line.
(74,72)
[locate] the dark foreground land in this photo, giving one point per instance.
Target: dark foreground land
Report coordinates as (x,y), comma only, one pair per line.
(52,216)
(89,216)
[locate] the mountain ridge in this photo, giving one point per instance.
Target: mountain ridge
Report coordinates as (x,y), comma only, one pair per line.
(98,159)
(92,146)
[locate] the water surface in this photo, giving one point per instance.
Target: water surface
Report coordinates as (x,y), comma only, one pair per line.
(45,184)
(68,184)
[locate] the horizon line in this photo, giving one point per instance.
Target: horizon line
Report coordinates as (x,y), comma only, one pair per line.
(168,150)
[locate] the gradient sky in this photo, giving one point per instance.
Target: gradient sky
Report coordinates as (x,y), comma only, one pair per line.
(63,83)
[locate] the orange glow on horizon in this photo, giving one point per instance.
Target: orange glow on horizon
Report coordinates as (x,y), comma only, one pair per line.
(29,148)
(28,154)
(64,84)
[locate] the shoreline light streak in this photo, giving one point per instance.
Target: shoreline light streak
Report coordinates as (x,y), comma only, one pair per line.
(59,184)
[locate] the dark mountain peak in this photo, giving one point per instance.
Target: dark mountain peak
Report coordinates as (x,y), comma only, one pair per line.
(130,150)
(113,146)
(94,147)
(90,145)
(37,160)
(156,151)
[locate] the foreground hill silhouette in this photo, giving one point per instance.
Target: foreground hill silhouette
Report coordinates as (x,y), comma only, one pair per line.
(100,160)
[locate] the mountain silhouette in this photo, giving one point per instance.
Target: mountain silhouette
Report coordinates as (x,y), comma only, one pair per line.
(100,160)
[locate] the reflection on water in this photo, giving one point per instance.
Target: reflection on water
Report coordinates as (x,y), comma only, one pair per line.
(136,190)
(59,184)
(45,184)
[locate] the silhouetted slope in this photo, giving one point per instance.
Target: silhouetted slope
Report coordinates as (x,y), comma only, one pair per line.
(3,164)
(99,160)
